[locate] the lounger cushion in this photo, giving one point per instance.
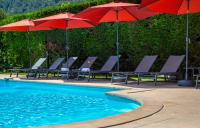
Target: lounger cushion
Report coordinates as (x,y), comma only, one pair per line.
(65,69)
(85,70)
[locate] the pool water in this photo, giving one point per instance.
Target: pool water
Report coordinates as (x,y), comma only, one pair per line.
(29,104)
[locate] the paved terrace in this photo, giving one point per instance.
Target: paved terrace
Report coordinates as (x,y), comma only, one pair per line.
(165,106)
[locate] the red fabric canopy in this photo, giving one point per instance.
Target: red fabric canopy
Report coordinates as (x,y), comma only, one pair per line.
(175,7)
(22,26)
(126,12)
(172,6)
(116,12)
(63,21)
(145,3)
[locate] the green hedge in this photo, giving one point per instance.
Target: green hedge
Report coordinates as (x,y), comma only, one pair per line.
(163,35)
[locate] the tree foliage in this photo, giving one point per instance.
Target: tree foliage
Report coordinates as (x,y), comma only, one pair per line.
(2,14)
(22,6)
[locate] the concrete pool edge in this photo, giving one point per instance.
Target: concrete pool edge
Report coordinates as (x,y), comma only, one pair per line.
(147,109)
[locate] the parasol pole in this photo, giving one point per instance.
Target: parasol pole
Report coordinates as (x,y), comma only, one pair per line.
(117,42)
(29,48)
(187,40)
(66,40)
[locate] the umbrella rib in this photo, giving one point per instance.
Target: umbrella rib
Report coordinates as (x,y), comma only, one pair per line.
(179,6)
(142,6)
(107,10)
(131,14)
(88,21)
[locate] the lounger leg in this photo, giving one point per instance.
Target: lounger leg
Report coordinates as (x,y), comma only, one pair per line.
(11,74)
(155,80)
(47,75)
(68,75)
(89,77)
(78,76)
(165,78)
(36,74)
(197,79)
(27,74)
(39,75)
(138,82)
(17,74)
(112,77)
(56,75)
(85,75)
(126,80)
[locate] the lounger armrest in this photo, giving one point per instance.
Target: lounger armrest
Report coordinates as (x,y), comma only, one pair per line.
(153,73)
(167,73)
(37,70)
(131,73)
(53,70)
(18,69)
(28,70)
(117,72)
(122,73)
(99,71)
(162,73)
(142,73)
(79,71)
(63,72)
(197,75)
(56,70)
(95,71)
(75,70)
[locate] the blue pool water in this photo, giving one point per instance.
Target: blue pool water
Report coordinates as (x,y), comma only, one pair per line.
(27,104)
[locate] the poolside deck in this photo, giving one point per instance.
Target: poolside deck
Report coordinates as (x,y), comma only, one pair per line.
(180,106)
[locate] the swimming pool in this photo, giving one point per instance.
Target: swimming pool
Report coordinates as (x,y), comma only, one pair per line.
(30,104)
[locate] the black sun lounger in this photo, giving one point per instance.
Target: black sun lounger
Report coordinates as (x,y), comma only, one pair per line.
(65,69)
(85,67)
(106,69)
(35,66)
(143,68)
(45,72)
(170,67)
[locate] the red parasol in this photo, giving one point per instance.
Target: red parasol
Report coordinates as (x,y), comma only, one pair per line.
(23,26)
(175,7)
(64,21)
(116,12)
(172,6)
